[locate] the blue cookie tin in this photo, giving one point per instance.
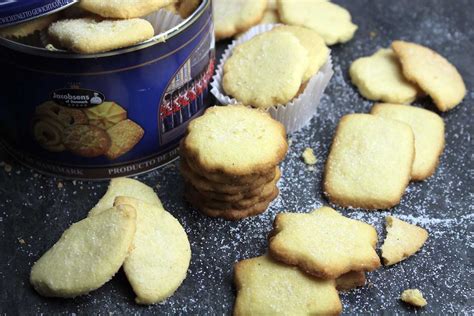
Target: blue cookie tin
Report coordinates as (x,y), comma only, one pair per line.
(106,115)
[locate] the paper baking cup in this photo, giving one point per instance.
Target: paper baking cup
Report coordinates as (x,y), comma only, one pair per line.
(162,21)
(295,114)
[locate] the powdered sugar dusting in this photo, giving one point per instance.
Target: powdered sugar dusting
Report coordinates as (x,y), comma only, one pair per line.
(34,209)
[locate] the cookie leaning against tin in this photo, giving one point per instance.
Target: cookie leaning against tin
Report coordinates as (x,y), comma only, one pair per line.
(235,140)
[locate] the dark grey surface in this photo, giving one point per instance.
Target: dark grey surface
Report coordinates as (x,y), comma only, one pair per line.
(34,210)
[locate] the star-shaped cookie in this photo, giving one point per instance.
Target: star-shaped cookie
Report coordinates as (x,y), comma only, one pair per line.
(324,243)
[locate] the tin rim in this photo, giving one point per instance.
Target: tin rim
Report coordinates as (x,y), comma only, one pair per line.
(162,37)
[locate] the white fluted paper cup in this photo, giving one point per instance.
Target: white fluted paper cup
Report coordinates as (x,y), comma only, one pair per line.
(296,113)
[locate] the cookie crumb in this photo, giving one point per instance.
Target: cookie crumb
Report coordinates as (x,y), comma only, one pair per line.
(60,185)
(8,168)
(372,34)
(308,156)
(413,297)
(21,241)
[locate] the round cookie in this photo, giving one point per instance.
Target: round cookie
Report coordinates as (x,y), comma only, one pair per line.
(222,177)
(205,186)
(234,214)
(379,77)
(235,140)
(265,189)
(86,140)
(220,205)
(233,17)
(267,70)
(318,52)
(28,28)
(432,72)
(330,20)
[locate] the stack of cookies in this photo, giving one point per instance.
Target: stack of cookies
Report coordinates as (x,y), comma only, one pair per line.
(229,160)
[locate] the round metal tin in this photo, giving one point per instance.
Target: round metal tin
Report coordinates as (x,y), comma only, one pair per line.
(106,115)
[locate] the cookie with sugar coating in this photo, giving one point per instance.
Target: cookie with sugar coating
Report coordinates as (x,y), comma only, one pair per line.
(267,287)
(236,16)
(267,70)
(87,255)
(324,243)
(380,77)
(123,9)
(235,140)
(370,162)
(432,72)
(160,255)
(88,36)
(330,20)
(125,187)
(428,128)
(318,52)
(232,214)
(403,240)
(204,185)
(243,203)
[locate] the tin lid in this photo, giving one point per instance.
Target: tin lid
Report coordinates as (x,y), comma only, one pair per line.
(18,11)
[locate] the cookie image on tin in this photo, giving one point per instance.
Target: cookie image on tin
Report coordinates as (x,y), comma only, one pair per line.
(48,133)
(64,115)
(86,140)
(106,115)
(124,136)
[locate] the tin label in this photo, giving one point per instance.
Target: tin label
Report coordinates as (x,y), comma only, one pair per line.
(77,98)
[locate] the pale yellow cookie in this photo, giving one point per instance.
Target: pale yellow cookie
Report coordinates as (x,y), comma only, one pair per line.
(432,72)
(124,135)
(87,36)
(236,140)
(370,162)
(380,77)
(125,187)
(350,280)
(428,128)
(266,287)
(267,70)
(233,17)
(105,115)
(160,255)
(413,297)
(403,240)
(324,243)
(87,255)
(330,20)
(28,28)
(318,52)
(123,9)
